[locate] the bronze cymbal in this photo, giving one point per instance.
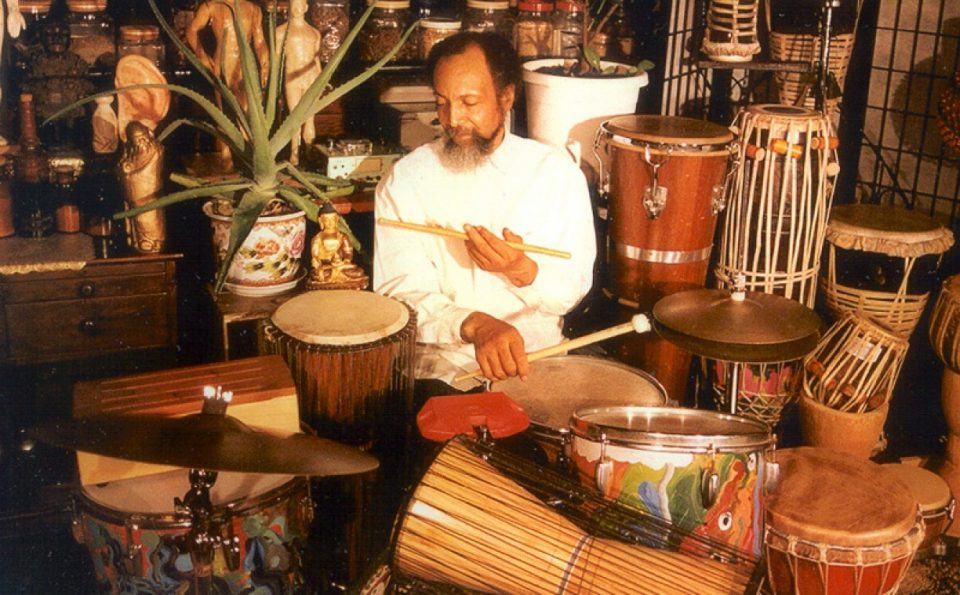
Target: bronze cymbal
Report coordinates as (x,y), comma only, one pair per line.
(205,441)
(760,328)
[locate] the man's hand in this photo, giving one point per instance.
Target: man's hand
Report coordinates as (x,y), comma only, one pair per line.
(498,346)
(494,255)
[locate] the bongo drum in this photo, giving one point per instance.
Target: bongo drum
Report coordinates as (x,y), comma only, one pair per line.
(474,522)
(881,262)
(558,386)
(130,529)
(351,354)
(703,471)
(945,339)
(838,525)
(933,495)
(666,180)
(731,34)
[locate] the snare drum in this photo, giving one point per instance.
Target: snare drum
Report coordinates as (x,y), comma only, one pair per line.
(130,530)
(703,471)
(666,179)
(352,356)
(838,525)
(558,386)
(881,262)
(933,495)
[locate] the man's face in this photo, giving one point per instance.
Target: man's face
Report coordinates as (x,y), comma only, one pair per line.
(470,110)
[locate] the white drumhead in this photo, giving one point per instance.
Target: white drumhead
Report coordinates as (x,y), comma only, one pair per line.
(340,317)
(154,494)
(930,490)
(558,386)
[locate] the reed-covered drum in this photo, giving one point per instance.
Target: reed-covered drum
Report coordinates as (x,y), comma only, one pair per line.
(666,180)
(731,34)
(131,531)
(881,262)
(945,339)
(838,525)
(933,495)
(703,471)
(351,354)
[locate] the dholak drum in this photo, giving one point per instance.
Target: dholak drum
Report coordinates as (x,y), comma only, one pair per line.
(474,522)
(881,262)
(945,339)
(702,471)
(936,502)
(131,529)
(558,386)
(666,180)
(351,354)
(838,525)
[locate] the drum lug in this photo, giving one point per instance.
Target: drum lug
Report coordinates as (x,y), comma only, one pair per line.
(654,195)
(133,559)
(231,551)
(603,474)
(771,476)
(709,487)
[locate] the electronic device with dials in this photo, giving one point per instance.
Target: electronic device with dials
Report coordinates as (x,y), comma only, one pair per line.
(354,159)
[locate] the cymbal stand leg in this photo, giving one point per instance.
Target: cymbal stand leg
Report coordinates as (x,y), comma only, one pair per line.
(734,370)
(202,537)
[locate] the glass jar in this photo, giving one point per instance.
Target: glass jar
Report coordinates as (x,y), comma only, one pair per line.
(433,31)
(91,31)
(489,15)
(384,29)
(534,30)
(567,30)
(141,40)
(181,15)
(66,212)
(332,19)
(34,12)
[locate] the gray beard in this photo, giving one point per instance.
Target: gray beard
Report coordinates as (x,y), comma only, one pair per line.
(459,159)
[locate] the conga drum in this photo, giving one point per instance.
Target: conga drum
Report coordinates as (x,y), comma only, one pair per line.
(945,339)
(666,180)
(731,34)
(351,354)
(838,525)
(936,502)
(881,262)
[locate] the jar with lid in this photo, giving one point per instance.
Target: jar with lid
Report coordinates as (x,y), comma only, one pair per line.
(332,19)
(66,212)
(533,32)
(489,15)
(34,12)
(92,32)
(434,30)
(182,13)
(567,29)
(141,40)
(384,29)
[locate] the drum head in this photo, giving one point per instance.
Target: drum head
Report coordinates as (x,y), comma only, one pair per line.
(340,317)
(154,494)
(890,231)
(558,386)
(832,498)
(669,130)
(778,110)
(930,490)
(670,428)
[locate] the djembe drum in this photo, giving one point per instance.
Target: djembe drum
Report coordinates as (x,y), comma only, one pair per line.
(880,263)
(837,525)
(666,180)
(936,503)
(945,339)
(731,34)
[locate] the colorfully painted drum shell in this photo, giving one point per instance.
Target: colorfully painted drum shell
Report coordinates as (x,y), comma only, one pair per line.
(266,518)
(933,495)
(663,460)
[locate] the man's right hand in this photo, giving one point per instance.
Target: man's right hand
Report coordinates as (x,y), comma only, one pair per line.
(498,346)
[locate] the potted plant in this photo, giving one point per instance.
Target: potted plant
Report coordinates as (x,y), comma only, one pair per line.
(264,181)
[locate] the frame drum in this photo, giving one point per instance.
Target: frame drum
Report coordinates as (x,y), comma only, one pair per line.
(130,529)
(351,354)
(838,525)
(666,181)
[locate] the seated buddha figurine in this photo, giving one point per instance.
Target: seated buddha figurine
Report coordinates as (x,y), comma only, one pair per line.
(331,256)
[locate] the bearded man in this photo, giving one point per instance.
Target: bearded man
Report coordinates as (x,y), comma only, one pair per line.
(140,171)
(481,301)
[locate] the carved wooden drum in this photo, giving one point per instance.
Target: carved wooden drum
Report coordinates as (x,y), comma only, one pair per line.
(351,354)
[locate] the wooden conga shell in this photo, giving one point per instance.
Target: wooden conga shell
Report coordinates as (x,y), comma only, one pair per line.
(856,434)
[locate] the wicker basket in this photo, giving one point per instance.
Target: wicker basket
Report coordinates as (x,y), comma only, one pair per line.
(792,87)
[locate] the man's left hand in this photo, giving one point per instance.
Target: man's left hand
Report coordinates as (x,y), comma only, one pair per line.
(494,255)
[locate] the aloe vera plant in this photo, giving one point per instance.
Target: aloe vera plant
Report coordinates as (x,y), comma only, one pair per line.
(257,136)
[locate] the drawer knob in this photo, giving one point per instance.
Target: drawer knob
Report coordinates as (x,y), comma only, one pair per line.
(89,328)
(87,290)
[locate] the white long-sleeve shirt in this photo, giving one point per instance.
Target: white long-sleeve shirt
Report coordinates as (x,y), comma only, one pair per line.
(526,186)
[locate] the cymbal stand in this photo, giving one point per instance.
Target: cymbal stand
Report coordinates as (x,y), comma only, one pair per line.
(202,537)
(734,369)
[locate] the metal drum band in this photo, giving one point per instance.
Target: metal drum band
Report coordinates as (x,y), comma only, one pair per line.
(662,256)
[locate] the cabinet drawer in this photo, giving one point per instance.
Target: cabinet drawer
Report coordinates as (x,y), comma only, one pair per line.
(83,287)
(75,328)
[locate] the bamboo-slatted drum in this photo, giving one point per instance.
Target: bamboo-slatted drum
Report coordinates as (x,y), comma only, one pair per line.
(945,339)
(881,262)
(351,354)
(667,176)
(701,470)
(933,495)
(838,525)
(731,34)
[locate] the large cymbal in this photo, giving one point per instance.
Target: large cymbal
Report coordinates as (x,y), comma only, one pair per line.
(205,441)
(760,328)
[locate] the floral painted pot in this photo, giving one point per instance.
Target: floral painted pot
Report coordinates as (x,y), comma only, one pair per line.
(268,261)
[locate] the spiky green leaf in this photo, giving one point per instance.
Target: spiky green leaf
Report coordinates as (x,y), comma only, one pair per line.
(202,191)
(245,214)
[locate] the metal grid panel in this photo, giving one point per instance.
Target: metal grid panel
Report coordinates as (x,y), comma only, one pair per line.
(684,91)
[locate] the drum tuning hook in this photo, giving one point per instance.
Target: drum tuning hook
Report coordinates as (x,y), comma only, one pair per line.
(654,195)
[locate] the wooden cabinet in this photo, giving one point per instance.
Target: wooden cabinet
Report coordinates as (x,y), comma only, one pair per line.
(109,306)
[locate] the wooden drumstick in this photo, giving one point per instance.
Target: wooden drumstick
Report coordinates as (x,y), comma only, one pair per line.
(640,323)
(452,233)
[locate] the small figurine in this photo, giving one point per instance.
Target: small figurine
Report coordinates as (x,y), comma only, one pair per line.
(140,174)
(106,134)
(331,256)
(301,67)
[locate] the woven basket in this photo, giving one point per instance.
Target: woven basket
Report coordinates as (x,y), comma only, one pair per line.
(731,34)
(800,47)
